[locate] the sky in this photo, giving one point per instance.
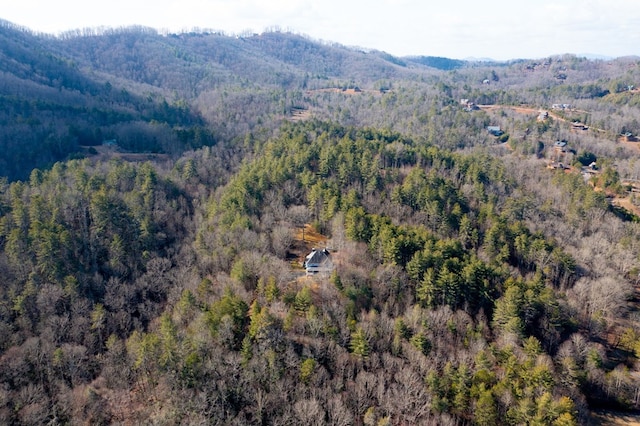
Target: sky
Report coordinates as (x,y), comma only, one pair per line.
(460,29)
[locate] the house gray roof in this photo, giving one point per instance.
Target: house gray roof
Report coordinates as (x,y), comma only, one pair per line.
(318,261)
(495,130)
(317,257)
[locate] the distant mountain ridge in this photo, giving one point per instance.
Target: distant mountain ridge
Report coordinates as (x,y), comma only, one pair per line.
(137,85)
(438,62)
(168,93)
(270,58)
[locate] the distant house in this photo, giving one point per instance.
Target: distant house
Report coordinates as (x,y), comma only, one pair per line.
(560,146)
(629,137)
(579,126)
(590,171)
(318,262)
(495,130)
(543,115)
(468,105)
(110,142)
(561,107)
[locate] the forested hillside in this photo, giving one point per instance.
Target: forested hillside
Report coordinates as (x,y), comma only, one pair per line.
(151,92)
(477,278)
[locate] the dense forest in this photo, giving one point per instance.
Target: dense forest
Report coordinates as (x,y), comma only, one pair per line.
(160,192)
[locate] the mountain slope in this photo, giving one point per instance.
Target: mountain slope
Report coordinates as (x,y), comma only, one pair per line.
(142,88)
(205,60)
(51,106)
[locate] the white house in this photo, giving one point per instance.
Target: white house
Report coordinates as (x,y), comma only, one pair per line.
(495,130)
(318,261)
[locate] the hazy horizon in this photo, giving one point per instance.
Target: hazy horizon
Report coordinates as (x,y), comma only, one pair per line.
(494,29)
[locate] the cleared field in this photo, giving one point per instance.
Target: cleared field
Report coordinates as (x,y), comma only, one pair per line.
(105,153)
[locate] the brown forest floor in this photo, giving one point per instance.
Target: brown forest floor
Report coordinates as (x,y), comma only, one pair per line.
(302,246)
